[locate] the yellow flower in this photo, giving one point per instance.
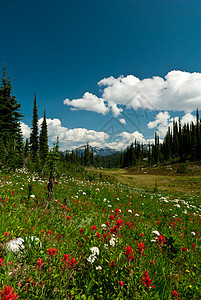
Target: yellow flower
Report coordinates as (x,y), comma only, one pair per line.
(190,286)
(187,271)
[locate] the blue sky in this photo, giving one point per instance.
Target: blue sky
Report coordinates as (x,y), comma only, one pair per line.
(125,68)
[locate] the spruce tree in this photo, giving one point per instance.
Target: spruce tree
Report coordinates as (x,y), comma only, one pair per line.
(43,141)
(11,142)
(34,134)
(198,136)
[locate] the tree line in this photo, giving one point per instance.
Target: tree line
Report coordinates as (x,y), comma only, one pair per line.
(181,142)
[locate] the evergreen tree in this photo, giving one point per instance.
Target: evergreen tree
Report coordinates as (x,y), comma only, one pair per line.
(43,141)
(34,134)
(198,136)
(11,142)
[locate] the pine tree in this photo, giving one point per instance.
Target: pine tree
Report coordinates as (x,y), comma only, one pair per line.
(11,142)
(43,141)
(198,136)
(34,134)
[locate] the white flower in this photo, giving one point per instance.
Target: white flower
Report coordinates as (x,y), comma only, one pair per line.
(105,246)
(137,215)
(91,258)
(32,196)
(130,211)
(103,225)
(94,250)
(112,241)
(99,268)
(193,233)
(156,232)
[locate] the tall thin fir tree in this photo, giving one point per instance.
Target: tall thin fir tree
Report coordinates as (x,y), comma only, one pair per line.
(10,130)
(34,145)
(43,141)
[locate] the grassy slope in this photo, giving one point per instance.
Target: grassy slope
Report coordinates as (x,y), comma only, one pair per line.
(165,178)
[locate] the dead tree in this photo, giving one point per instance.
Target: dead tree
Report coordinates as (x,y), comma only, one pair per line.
(50,187)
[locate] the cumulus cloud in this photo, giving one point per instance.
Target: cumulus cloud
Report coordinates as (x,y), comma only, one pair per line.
(163,121)
(180,91)
(88,102)
(69,138)
(188,118)
(125,139)
(25,130)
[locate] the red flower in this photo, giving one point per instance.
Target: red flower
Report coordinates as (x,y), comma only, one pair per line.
(193,245)
(65,260)
(117,211)
(112,264)
(2,262)
(175,294)
(72,262)
(6,234)
(93,227)
(66,257)
(68,218)
(111,217)
(98,234)
(184,249)
(146,280)
(7,293)
(52,252)
(119,222)
(141,248)
(128,252)
(161,240)
(81,230)
(40,263)
(121,283)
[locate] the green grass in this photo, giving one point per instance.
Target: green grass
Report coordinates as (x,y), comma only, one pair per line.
(73,224)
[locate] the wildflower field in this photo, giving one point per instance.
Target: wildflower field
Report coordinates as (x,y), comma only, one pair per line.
(96,240)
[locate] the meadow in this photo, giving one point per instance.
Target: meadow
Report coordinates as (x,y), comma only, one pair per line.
(97,240)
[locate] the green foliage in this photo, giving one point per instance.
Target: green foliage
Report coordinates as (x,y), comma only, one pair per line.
(34,146)
(11,143)
(43,141)
(182,169)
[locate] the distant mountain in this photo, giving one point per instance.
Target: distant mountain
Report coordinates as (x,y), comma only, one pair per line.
(96,150)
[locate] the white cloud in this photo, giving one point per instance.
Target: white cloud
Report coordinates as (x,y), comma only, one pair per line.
(188,118)
(125,139)
(25,130)
(88,102)
(179,91)
(123,121)
(163,121)
(69,138)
